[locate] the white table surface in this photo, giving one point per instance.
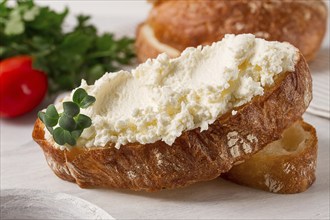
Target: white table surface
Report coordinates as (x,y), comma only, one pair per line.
(23,164)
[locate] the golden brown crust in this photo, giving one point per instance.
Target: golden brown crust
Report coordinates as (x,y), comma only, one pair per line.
(155,2)
(194,156)
(279,169)
(182,24)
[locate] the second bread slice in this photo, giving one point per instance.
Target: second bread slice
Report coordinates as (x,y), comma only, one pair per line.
(284,166)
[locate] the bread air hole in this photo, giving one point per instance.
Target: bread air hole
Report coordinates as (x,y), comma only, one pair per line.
(292,141)
(293,137)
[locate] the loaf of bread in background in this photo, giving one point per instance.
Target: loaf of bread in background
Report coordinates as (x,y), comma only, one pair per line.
(174,25)
(284,166)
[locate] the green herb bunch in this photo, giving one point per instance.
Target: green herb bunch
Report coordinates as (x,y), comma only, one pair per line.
(71,122)
(66,57)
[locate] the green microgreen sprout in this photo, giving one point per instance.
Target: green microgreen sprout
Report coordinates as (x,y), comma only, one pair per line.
(70,122)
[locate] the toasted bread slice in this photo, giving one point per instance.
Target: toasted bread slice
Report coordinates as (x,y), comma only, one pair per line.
(194,156)
(283,166)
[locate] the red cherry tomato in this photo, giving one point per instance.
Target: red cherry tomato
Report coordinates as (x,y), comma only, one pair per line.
(22,88)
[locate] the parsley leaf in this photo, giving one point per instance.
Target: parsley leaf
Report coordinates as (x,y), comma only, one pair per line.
(66,57)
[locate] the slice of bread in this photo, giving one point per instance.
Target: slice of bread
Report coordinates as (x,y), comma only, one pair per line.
(194,156)
(284,166)
(182,24)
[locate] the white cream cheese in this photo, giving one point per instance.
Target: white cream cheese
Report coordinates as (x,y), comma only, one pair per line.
(164,97)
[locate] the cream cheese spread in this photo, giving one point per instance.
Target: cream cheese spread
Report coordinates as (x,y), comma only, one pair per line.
(164,97)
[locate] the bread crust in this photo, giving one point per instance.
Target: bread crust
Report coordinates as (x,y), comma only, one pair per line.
(194,156)
(282,171)
(190,23)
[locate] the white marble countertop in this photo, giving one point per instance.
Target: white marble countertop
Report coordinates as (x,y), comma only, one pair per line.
(23,164)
